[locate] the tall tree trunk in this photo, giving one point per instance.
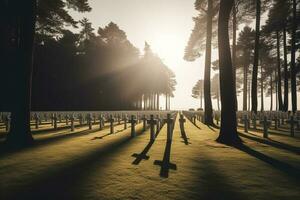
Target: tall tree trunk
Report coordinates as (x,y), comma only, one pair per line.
(166,101)
(271,91)
(276,92)
(234,29)
(245,90)
(144,99)
(157,101)
(261,88)
(207,94)
(218,100)
(249,95)
(293,59)
(228,132)
(286,78)
(169,102)
(279,97)
(256,57)
(19,134)
(201,97)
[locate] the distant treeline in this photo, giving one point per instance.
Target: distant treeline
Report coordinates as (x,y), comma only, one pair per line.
(88,71)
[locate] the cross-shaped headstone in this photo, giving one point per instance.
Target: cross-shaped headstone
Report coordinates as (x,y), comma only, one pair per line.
(80,117)
(52,119)
(119,119)
(111,120)
(194,119)
(246,123)
(133,122)
(125,119)
(55,121)
(292,121)
(72,122)
(36,118)
(7,123)
(45,117)
(254,121)
(90,121)
(157,123)
(181,121)
(276,121)
(266,124)
(101,122)
(67,119)
(144,118)
(152,123)
(94,118)
(59,118)
(169,122)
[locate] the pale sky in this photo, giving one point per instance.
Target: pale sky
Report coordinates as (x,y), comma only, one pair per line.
(166,25)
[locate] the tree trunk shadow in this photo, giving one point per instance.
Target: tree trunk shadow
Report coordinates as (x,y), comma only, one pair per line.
(272,143)
(291,171)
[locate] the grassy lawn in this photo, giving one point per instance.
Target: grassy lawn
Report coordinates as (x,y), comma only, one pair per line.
(97,165)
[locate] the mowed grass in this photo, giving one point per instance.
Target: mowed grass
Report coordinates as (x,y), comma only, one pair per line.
(97,165)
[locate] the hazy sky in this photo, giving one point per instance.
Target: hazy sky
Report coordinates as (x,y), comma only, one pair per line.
(166,26)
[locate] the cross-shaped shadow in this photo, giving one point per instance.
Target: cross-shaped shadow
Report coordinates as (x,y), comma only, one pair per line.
(183,135)
(143,155)
(165,163)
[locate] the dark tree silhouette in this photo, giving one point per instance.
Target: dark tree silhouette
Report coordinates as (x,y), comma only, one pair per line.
(19,134)
(228,131)
(199,38)
(293,57)
(197,92)
(256,57)
(245,47)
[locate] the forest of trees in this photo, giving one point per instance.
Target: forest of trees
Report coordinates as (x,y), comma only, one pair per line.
(265,58)
(91,70)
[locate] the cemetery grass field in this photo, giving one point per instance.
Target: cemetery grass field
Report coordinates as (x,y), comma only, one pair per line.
(93,164)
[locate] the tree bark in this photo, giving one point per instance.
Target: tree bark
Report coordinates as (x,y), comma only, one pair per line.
(286,78)
(279,92)
(201,97)
(293,59)
(234,29)
(261,88)
(20,134)
(228,132)
(157,101)
(256,57)
(271,91)
(207,93)
(245,89)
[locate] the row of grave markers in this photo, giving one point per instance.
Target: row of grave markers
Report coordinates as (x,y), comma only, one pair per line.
(265,119)
(155,119)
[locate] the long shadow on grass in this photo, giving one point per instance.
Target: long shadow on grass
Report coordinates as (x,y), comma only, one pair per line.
(272,143)
(195,124)
(165,164)
(143,155)
(211,183)
(279,132)
(66,181)
(4,149)
(288,169)
(183,135)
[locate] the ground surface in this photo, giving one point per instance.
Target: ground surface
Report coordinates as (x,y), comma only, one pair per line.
(91,164)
